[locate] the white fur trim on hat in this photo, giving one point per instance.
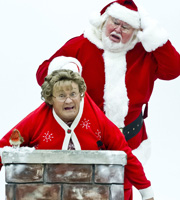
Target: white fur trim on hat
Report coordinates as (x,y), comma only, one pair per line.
(62,62)
(121,12)
(117,11)
(97,20)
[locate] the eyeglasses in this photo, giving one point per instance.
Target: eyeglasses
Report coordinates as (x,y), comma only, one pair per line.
(63,97)
(125,28)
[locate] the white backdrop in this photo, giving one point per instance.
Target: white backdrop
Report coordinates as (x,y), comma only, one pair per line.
(32,30)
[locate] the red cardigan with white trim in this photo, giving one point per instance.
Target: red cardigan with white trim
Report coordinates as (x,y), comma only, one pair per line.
(43,129)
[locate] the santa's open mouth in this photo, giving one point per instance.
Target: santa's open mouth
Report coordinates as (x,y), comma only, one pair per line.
(116,37)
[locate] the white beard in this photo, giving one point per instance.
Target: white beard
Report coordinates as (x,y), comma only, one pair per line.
(111,46)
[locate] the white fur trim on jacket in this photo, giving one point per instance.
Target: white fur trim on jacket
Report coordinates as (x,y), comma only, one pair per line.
(152,35)
(143,152)
(147,193)
(63,62)
(115,92)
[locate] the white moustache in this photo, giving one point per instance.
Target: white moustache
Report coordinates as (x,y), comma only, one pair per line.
(116,34)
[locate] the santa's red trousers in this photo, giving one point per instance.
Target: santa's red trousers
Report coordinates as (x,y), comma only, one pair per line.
(128,195)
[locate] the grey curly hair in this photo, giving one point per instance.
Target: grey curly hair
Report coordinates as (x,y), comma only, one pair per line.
(57,76)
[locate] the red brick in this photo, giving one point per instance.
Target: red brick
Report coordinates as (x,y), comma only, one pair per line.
(9,192)
(38,192)
(20,173)
(117,192)
(85,192)
(109,174)
(68,173)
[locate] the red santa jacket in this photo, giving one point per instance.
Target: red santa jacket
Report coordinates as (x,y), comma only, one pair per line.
(120,83)
(43,129)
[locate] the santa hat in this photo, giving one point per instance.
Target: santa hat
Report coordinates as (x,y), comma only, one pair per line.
(125,10)
(63,62)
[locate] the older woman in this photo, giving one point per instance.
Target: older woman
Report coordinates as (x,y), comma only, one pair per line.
(69,119)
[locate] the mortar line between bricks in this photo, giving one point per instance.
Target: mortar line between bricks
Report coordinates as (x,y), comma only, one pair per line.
(14,190)
(62,191)
(93,174)
(110,196)
(44,172)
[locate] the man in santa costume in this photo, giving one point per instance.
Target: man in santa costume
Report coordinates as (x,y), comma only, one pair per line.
(122,52)
(70,120)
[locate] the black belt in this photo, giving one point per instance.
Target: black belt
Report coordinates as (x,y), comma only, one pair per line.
(133,128)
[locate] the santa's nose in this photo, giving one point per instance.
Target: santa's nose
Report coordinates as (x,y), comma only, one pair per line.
(118,29)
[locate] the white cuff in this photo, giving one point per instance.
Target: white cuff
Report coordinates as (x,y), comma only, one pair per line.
(151,35)
(147,193)
(62,62)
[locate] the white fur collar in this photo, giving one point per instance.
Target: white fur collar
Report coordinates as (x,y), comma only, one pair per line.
(94,35)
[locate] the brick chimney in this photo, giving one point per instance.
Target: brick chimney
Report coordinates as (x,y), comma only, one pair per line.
(64,175)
